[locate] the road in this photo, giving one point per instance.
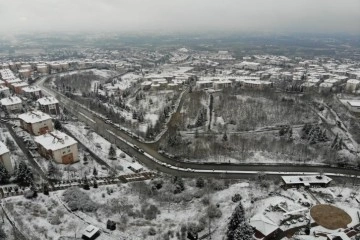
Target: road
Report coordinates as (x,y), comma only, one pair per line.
(154,160)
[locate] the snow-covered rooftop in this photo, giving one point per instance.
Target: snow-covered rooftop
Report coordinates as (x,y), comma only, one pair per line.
(90,231)
(34,117)
(354,103)
(3,148)
(31,89)
(10,101)
(47,100)
(55,140)
(263,224)
(306,180)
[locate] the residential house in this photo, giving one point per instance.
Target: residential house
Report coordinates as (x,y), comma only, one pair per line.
(11,104)
(5,158)
(36,122)
(58,146)
(49,105)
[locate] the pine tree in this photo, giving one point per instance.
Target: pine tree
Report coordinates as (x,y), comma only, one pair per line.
(24,175)
(4,174)
(51,169)
(225,137)
(112,151)
(57,124)
(238,229)
(95,173)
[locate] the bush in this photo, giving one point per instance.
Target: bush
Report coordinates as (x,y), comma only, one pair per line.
(200,182)
(29,194)
(236,197)
(213,211)
(152,231)
(79,200)
(151,212)
(205,201)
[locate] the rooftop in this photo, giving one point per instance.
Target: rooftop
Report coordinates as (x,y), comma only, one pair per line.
(47,100)
(10,101)
(306,179)
(34,117)
(90,231)
(354,103)
(31,89)
(3,148)
(55,140)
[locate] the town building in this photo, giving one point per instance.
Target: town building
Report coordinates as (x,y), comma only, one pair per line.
(265,229)
(4,91)
(90,232)
(36,122)
(32,92)
(18,87)
(5,158)
(353,106)
(352,85)
(58,146)
(11,104)
(10,82)
(6,74)
(306,181)
(49,105)
(204,84)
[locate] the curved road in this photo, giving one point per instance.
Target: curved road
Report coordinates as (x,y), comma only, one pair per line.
(145,152)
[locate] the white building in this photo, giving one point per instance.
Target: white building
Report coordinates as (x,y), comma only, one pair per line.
(4,91)
(353,105)
(11,104)
(49,105)
(352,85)
(32,92)
(36,122)
(58,146)
(204,84)
(5,158)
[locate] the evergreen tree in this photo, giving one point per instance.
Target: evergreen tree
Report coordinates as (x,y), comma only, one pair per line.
(238,229)
(57,124)
(225,137)
(4,174)
(95,173)
(112,151)
(200,182)
(51,169)
(24,176)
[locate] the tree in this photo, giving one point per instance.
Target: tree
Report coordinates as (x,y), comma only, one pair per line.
(238,229)
(51,169)
(57,124)
(200,182)
(24,175)
(10,144)
(4,174)
(112,151)
(95,173)
(225,137)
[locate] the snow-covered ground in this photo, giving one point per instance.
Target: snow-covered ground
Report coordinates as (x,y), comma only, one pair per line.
(100,147)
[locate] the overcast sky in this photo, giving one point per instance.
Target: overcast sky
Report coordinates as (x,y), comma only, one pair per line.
(159,16)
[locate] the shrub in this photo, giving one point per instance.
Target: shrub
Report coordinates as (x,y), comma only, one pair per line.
(213,211)
(152,231)
(78,200)
(236,197)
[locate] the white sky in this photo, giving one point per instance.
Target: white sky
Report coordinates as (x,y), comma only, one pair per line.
(326,16)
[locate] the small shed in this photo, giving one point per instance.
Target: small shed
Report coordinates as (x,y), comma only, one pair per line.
(90,233)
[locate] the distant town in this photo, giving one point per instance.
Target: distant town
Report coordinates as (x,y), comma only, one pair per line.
(178,142)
